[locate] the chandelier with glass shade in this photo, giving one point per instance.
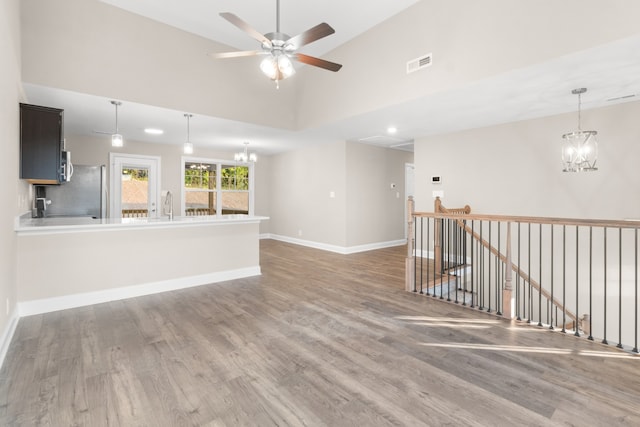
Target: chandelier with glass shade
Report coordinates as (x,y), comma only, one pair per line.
(579,148)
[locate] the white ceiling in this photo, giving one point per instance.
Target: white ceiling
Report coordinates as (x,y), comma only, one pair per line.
(609,71)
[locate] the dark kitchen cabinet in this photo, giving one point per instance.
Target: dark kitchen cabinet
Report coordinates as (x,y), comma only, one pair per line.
(41,143)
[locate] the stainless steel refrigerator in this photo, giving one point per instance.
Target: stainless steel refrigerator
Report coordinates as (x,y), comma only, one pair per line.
(85,195)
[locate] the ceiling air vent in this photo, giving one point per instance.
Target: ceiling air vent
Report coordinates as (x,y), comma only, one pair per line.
(419,63)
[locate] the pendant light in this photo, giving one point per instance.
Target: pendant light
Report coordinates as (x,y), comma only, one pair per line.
(188,146)
(579,148)
(116,138)
(244,156)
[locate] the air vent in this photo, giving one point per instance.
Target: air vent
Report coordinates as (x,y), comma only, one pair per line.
(419,63)
(622,97)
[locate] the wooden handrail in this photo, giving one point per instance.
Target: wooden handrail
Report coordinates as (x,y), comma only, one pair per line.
(535,220)
(440,212)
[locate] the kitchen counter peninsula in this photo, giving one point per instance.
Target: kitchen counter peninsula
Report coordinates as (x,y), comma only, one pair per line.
(66,262)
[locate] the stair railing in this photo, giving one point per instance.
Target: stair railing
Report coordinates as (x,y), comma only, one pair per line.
(562,267)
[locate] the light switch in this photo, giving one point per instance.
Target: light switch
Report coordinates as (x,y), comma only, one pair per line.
(332,194)
(438,194)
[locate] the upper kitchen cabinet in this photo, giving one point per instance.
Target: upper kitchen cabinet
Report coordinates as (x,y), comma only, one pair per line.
(41,143)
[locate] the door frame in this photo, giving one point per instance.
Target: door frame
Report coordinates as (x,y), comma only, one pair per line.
(119,160)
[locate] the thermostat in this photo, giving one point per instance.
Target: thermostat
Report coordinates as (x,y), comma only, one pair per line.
(436,180)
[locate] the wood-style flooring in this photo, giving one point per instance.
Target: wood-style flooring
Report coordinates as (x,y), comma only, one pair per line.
(319,339)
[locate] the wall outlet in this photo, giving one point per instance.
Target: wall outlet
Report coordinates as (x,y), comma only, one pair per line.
(299,232)
(332,194)
(438,194)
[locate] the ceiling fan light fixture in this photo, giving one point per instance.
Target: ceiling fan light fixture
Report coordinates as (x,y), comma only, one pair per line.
(117,140)
(285,66)
(269,67)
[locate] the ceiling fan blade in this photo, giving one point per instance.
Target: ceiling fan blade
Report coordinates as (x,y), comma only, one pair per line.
(102,132)
(237,54)
(311,35)
(246,28)
(316,62)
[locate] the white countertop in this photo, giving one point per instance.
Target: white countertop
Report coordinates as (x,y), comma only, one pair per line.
(27,225)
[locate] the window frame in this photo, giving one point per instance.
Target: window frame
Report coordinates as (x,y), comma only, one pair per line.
(219,163)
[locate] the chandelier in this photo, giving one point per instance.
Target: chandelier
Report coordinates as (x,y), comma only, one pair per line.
(579,148)
(244,156)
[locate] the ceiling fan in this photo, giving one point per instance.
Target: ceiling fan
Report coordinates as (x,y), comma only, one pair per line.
(280,48)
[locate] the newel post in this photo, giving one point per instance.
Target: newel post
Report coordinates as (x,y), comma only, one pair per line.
(409,261)
(508,303)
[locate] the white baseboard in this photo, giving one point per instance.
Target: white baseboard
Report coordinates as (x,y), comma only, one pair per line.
(344,250)
(46,305)
(7,335)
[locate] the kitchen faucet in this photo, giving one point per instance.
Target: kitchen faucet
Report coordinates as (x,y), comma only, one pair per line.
(168,200)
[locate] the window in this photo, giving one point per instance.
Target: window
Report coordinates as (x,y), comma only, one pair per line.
(214,187)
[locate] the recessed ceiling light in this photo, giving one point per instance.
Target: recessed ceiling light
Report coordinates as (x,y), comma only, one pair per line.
(152,131)
(392,129)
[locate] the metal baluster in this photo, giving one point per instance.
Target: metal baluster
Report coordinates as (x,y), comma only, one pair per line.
(449,239)
(576,327)
(564,278)
(415,253)
(498,276)
(540,276)
(604,339)
(590,337)
(619,288)
(481,277)
(489,308)
(530,273)
(550,311)
(421,252)
(473,263)
(635,301)
(518,281)
(428,263)
(464,262)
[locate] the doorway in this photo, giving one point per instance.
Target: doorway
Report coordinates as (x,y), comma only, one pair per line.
(134,183)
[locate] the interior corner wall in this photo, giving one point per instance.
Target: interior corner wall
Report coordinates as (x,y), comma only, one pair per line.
(515,169)
(301,184)
(91,47)
(13,189)
(94,150)
(375,210)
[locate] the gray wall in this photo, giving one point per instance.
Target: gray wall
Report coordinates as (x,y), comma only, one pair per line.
(516,169)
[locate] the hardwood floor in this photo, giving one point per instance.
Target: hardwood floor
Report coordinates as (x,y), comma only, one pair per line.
(318,339)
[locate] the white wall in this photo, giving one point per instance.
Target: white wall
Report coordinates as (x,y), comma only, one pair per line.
(470,41)
(94,150)
(116,259)
(91,47)
(515,169)
(14,192)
